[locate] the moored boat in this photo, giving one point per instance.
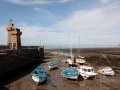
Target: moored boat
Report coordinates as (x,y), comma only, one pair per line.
(39,75)
(87,72)
(106,71)
(80,60)
(53,64)
(71,73)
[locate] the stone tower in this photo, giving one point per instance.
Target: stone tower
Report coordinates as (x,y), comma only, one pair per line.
(14,40)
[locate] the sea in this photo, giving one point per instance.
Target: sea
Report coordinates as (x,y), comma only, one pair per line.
(72,46)
(82,46)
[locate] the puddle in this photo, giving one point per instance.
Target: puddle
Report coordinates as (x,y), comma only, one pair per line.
(49,80)
(64,54)
(56,80)
(53,82)
(50,87)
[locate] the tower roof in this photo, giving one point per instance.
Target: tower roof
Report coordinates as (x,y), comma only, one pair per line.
(13,29)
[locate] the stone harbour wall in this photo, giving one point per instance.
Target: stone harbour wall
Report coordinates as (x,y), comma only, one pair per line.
(15,59)
(31,53)
(9,62)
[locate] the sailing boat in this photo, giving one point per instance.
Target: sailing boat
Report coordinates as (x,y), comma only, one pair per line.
(70,61)
(79,59)
(70,72)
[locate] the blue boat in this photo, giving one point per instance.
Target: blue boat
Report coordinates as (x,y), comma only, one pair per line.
(53,64)
(40,69)
(71,73)
(39,75)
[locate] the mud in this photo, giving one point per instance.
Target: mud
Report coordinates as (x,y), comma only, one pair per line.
(57,82)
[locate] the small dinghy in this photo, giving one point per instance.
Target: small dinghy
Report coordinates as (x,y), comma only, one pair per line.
(71,73)
(39,75)
(106,71)
(87,72)
(52,65)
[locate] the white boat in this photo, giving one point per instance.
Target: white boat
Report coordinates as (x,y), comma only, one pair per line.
(53,64)
(106,71)
(38,78)
(80,60)
(69,61)
(87,72)
(39,75)
(71,73)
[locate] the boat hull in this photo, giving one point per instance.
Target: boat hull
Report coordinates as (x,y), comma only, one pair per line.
(87,72)
(72,77)
(53,66)
(85,76)
(80,61)
(71,73)
(106,71)
(39,80)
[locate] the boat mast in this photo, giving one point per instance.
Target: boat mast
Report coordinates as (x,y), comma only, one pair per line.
(79,45)
(70,46)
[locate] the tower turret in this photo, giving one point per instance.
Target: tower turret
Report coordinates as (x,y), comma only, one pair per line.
(14,40)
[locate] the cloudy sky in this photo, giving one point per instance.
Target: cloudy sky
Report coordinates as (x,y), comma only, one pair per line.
(49,22)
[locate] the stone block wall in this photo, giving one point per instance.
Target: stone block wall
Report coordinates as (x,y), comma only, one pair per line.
(31,53)
(41,52)
(9,62)
(15,59)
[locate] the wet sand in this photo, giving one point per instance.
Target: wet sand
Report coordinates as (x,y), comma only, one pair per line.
(57,82)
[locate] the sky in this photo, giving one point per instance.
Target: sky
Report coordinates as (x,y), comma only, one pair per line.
(59,22)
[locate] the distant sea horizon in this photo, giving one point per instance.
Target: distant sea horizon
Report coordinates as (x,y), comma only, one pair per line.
(74,46)
(82,46)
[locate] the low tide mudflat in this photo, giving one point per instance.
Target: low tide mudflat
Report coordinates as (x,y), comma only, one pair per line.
(95,58)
